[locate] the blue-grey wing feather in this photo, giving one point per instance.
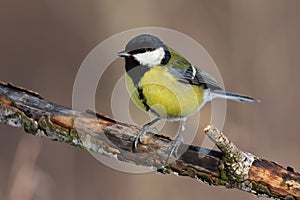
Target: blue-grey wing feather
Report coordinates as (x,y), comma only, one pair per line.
(195,76)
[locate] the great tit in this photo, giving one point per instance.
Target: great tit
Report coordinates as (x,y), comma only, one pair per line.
(161,81)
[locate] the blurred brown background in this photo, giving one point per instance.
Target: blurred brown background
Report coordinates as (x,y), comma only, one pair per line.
(255,44)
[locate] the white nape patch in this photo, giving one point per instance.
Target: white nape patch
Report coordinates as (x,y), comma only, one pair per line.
(150,58)
(194,72)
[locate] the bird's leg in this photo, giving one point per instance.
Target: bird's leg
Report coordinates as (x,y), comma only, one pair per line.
(174,145)
(144,130)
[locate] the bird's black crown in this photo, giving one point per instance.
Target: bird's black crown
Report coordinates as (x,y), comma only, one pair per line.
(143,43)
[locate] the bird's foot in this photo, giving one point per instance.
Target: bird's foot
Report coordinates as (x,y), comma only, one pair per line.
(143,131)
(174,147)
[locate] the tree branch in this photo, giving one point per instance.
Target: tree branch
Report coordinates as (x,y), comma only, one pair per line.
(231,167)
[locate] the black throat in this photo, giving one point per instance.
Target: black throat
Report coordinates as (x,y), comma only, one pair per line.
(135,70)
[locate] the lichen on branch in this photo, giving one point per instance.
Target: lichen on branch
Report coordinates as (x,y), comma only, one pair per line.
(229,167)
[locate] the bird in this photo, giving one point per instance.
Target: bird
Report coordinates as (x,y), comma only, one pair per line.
(161,81)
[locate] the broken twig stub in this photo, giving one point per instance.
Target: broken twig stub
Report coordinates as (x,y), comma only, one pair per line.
(98,133)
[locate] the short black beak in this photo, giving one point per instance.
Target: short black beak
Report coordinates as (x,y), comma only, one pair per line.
(123,54)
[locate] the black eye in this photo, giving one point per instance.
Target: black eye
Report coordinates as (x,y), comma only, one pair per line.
(150,49)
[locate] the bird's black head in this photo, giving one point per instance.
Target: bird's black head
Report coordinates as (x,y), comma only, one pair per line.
(146,50)
(143,43)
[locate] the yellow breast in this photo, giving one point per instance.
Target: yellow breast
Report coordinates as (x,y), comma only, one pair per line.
(165,96)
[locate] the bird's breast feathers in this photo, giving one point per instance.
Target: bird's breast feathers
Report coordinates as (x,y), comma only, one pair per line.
(164,95)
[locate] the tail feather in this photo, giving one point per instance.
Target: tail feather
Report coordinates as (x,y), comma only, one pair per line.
(232,96)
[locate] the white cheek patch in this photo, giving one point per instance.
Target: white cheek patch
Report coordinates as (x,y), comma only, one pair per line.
(150,58)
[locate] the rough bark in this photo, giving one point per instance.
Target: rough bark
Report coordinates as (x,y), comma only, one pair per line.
(98,133)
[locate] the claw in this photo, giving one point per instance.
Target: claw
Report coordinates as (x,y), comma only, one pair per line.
(174,145)
(139,136)
(145,129)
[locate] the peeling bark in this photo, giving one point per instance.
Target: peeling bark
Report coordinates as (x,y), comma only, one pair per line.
(98,133)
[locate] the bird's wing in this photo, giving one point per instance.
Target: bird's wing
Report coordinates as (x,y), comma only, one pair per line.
(195,76)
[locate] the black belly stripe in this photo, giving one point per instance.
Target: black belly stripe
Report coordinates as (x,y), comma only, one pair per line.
(143,98)
(144,101)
